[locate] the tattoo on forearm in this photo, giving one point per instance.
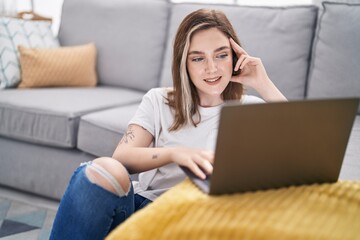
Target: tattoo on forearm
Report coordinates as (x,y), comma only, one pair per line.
(128,136)
(155,156)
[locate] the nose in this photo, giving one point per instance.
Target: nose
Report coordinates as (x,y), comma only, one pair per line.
(211,66)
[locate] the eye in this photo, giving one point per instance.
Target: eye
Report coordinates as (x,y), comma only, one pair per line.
(222,55)
(197,59)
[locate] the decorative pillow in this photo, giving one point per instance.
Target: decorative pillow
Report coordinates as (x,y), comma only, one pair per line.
(54,67)
(14,32)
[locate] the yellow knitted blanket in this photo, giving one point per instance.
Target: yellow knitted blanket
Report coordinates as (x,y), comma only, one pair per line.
(326,211)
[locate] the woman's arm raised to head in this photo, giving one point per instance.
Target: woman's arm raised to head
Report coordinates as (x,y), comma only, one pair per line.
(253,74)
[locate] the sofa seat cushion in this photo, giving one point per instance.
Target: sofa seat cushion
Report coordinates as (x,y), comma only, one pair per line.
(100,132)
(280,36)
(51,116)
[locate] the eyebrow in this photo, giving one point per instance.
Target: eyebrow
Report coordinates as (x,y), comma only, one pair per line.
(216,50)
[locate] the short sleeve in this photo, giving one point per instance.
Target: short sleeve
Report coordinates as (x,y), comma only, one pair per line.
(145,114)
(249,99)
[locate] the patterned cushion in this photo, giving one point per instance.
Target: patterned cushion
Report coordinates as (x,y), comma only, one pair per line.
(14,32)
(55,67)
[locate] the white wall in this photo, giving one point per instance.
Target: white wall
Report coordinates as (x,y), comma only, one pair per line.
(46,8)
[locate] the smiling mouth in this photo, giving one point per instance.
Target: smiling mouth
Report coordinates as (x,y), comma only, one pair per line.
(212,80)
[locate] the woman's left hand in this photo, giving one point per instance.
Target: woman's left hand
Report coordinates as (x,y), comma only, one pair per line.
(253,74)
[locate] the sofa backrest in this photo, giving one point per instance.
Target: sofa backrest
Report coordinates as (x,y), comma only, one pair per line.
(129,37)
(280,36)
(134,39)
(335,67)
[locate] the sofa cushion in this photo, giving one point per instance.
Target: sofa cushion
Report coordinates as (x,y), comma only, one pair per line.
(38,169)
(129,36)
(335,68)
(14,32)
(51,116)
(280,36)
(351,165)
(100,132)
(55,67)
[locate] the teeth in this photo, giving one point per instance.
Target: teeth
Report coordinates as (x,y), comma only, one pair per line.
(212,80)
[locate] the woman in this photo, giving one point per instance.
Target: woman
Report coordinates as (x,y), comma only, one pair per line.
(168,129)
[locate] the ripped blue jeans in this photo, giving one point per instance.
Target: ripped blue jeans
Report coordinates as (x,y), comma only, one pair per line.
(88,211)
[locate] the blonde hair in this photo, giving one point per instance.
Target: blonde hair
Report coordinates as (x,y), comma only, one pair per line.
(184,98)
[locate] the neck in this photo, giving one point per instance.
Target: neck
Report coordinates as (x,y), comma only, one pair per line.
(211,102)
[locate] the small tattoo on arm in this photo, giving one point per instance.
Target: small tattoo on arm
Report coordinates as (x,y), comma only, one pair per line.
(155,156)
(128,136)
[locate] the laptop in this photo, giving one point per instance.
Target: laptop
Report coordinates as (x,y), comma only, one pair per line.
(281,144)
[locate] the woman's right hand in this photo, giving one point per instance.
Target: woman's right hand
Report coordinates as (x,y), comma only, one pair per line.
(133,152)
(199,161)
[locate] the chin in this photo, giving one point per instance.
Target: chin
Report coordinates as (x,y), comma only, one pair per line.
(216,92)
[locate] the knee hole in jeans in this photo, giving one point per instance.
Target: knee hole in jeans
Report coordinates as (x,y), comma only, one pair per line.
(109,174)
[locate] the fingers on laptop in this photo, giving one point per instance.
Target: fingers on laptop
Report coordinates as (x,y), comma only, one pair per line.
(202,164)
(198,161)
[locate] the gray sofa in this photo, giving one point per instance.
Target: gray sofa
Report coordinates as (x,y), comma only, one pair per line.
(46,133)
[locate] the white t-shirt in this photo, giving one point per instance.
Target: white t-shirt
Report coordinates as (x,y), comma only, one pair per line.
(157,117)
